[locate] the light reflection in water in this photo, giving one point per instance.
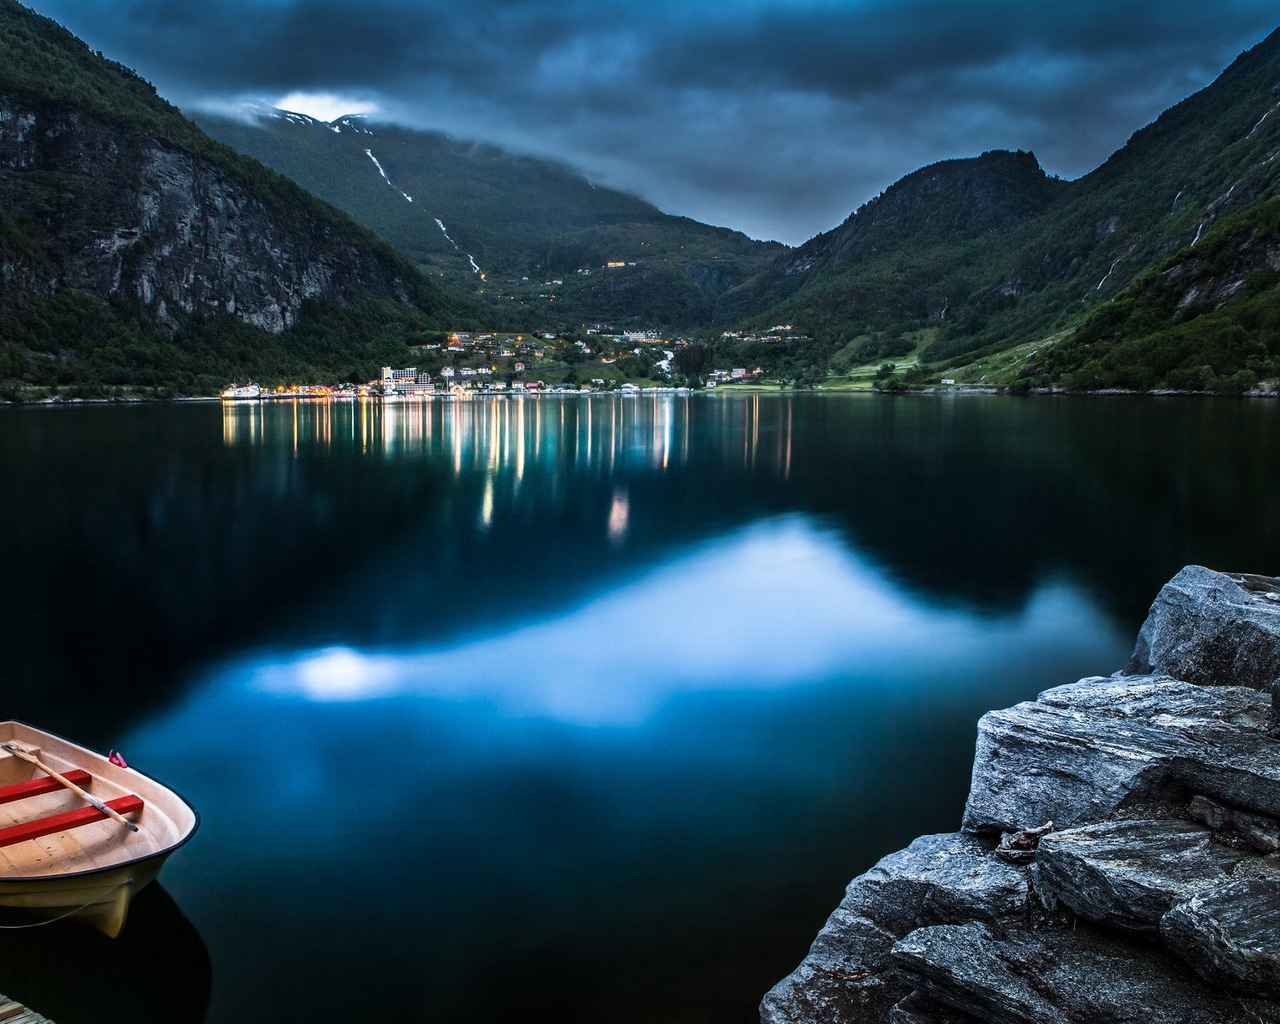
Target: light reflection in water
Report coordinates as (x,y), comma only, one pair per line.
(778,605)
(508,432)
(619,514)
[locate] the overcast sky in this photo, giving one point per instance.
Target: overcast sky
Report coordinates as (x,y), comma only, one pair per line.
(776,117)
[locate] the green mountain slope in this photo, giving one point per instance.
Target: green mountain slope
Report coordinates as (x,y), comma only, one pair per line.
(1205,319)
(921,250)
(135,251)
(528,238)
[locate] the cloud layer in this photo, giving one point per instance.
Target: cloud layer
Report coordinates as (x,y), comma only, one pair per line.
(777,117)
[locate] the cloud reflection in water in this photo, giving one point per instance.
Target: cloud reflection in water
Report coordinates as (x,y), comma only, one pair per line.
(778,604)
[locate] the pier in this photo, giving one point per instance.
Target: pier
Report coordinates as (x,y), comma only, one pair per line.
(16,1013)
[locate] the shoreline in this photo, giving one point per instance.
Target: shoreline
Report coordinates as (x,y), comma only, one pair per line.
(958,390)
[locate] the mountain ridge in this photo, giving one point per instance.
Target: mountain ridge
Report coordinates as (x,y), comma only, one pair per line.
(502,226)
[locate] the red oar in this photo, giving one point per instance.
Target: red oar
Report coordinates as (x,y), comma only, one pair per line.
(31,758)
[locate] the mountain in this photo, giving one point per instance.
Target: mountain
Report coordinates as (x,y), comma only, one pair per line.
(529,238)
(901,257)
(979,256)
(952,265)
(136,251)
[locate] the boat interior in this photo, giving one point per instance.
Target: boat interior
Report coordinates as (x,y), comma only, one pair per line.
(47,828)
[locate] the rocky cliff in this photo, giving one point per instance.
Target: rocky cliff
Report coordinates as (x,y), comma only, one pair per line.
(1119,856)
(117,211)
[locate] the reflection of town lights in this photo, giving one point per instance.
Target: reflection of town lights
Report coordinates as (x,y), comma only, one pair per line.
(619,513)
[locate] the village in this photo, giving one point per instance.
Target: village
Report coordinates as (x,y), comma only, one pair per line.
(595,359)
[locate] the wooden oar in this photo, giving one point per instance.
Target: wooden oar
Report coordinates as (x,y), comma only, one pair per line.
(31,758)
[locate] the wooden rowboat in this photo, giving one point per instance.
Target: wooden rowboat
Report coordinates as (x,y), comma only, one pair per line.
(61,856)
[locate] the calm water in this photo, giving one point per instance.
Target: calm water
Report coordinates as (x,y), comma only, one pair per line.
(564,710)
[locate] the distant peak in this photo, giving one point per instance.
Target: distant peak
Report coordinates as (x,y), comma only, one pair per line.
(351,122)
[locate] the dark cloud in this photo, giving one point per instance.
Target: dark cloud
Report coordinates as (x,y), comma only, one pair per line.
(774,116)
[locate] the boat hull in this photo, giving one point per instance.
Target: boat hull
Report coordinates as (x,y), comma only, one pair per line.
(87,873)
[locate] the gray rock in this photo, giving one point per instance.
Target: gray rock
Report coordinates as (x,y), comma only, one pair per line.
(1214,629)
(1231,935)
(846,977)
(1062,977)
(1080,753)
(1128,874)
(1259,831)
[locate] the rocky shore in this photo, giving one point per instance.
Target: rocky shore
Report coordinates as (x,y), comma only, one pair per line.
(1118,858)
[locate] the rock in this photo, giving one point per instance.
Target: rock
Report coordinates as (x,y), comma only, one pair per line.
(1231,935)
(1128,874)
(918,1008)
(846,977)
(1214,629)
(1083,752)
(843,980)
(1062,977)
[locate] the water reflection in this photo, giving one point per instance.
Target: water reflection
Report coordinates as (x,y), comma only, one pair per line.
(778,605)
(635,790)
(156,972)
(585,433)
(581,708)
(177,533)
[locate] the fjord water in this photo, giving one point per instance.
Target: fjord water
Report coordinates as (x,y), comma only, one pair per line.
(570,709)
